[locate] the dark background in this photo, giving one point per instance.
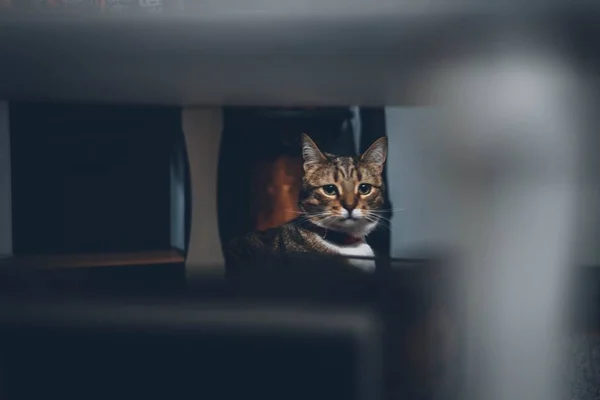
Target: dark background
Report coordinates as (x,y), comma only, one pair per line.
(91,178)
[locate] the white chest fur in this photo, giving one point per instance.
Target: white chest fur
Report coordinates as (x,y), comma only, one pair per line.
(357,250)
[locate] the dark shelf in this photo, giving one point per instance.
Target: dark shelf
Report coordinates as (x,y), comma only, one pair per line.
(89,260)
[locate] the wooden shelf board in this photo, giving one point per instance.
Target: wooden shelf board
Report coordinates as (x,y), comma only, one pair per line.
(87,260)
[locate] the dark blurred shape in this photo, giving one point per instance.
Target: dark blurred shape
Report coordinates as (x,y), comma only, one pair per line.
(93,178)
(120,349)
(312,332)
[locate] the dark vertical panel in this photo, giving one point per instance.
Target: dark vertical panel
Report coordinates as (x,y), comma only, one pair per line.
(372,128)
(6,246)
(91,178)
(179,169)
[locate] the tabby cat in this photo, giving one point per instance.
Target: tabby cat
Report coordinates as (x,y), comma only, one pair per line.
(340,202)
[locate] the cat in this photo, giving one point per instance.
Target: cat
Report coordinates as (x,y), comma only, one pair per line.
(340,204)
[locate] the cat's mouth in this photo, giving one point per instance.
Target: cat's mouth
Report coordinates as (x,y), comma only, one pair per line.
(355,225)
(350,220)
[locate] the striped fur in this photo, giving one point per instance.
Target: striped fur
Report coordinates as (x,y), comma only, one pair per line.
(340,196)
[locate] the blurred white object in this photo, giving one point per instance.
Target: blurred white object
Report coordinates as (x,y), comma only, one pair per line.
(202,129)
(510,151)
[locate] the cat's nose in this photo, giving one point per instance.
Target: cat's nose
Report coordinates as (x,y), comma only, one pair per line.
(349,212)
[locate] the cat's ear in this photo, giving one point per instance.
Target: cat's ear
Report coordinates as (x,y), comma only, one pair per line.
(376,153)
(310,152)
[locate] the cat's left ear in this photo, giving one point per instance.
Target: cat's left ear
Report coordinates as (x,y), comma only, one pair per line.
(376,154)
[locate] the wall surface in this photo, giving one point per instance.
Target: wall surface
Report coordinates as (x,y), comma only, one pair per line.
(415,186)
(5,183)
(202,129)
(587,250)
(418,187)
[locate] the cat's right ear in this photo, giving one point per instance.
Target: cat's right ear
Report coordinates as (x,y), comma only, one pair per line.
(310,152)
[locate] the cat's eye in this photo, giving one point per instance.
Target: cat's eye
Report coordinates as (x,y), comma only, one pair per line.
(330,190)
(364,188)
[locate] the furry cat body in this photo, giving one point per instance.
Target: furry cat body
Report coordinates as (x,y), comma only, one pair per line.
(339,202)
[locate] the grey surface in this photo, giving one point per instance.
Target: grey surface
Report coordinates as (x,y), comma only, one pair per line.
(584,371)
(200,63)
(245,53)
(415,188)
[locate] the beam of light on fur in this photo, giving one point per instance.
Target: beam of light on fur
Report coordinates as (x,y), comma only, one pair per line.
(511,150)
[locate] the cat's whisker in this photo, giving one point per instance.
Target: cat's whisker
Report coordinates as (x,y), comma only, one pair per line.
(326,219)
(380,221)
(373,214)
(381,227)
(383,224)
(314,215)
(386,220)
(304,219)
(387,210)
(377,216)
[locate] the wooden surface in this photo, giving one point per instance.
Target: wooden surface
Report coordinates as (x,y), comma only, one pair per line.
(96,260)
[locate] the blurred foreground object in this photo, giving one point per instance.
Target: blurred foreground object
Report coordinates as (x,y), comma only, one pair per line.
(73,348)
(513,113)
(297,335)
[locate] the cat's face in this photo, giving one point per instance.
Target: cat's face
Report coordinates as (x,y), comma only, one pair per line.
(343,193)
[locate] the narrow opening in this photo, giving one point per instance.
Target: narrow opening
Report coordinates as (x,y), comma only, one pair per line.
(261,164)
